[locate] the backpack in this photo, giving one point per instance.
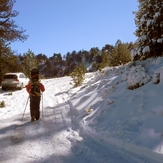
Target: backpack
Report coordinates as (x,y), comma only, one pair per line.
(34,75)
(35,89)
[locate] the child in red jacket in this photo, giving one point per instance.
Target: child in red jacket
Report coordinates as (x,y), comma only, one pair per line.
(34,88)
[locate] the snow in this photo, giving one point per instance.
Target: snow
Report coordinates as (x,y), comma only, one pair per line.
(160,40)
(156,15)
(101,121)
(146,49)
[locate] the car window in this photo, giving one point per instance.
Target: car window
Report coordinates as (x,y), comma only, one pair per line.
(10,77)
(21,76)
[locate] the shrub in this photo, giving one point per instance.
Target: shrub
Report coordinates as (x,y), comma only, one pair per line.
(2,104)
(78,74)
(120,55)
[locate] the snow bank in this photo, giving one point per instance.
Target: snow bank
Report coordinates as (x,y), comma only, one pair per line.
(126,107)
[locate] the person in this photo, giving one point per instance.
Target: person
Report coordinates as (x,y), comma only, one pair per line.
(34,88)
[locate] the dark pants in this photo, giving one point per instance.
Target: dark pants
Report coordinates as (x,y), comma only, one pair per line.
(35,106)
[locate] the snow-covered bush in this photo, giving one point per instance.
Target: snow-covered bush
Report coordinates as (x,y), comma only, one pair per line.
(137,77)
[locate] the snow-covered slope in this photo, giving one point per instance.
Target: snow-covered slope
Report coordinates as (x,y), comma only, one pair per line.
(128,118)
(115,116)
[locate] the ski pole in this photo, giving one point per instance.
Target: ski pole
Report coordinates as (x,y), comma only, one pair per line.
(42,105)
(25,109)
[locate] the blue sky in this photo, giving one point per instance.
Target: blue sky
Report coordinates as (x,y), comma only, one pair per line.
(61,26)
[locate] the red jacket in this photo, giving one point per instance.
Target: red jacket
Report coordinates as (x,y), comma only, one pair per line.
(28,87)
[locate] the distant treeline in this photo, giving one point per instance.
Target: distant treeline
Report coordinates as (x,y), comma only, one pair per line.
(58,65)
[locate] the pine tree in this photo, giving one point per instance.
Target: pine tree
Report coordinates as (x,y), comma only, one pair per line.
(104,61)
(78,74)
(119,55)
(10,63)
(42,64)
(9,30)
(149,22)
(29,62)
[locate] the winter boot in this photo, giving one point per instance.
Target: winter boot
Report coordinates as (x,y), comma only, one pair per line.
(32,119)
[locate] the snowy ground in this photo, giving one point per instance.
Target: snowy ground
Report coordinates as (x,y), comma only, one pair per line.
(102,121)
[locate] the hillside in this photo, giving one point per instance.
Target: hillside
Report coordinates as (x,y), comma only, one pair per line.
(115,116)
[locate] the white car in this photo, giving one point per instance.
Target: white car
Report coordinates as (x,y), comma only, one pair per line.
(14,81)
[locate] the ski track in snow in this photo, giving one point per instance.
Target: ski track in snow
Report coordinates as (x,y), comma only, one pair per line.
(54,138)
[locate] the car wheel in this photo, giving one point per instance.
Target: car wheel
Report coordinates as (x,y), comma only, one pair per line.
(3,88)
